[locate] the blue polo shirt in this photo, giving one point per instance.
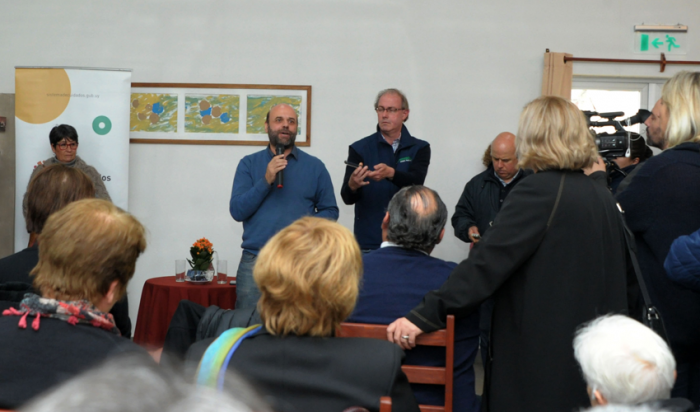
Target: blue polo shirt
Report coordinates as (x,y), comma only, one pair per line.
(265,210)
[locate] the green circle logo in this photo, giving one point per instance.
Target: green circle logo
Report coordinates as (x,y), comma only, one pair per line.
(102,125)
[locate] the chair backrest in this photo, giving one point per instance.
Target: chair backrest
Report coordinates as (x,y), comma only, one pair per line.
(418,374)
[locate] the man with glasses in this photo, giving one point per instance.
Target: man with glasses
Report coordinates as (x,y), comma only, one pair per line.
(380,165)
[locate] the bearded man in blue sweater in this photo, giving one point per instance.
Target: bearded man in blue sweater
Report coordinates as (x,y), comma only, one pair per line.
(387,161)
(397,276)
(263,207)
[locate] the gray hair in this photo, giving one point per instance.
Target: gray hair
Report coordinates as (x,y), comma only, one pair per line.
(624,360)
(404,100)
(417,215)
(136,384)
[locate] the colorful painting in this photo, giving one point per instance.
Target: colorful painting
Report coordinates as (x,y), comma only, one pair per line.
(212,113)
(153,112)
(259,105)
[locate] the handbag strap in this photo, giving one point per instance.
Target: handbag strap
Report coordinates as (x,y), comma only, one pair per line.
(629,241)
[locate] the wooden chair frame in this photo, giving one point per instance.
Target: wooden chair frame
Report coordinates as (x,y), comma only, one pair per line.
(418,374)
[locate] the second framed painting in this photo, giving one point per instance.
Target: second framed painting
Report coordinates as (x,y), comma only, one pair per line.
(213,114)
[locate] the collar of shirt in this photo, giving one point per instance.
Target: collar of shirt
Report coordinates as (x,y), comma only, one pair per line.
(395,144)
(293,153)
(502,181)
(387,243)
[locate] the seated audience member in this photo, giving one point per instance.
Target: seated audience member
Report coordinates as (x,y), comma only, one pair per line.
(87,255)
(683,261)
(51,189)
(309,275)
(624,362)
(128,384)
(639,152)
(401,272)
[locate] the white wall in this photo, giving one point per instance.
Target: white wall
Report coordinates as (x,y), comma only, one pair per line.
(467,68)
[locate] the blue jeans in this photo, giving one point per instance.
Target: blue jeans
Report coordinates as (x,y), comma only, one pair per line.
(247,291)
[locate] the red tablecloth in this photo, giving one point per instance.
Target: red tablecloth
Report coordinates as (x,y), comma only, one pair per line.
(159,301)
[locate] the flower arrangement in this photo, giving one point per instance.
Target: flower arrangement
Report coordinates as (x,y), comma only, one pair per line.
(202,254)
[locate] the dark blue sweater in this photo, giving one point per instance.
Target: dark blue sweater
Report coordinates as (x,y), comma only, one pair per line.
(410,161)
(394,281)
(265,210)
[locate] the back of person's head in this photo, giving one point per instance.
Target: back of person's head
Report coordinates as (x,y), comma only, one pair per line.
(51,189)
(639,148)
(84,248)
(417,216)
(308,275)
(553,134)
(63,131)
(135,384)
(681,96)
(626,362)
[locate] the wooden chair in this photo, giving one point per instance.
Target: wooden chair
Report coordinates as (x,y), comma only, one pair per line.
(418,374)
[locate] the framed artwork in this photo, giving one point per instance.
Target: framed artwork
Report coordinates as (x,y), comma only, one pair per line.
(212,114)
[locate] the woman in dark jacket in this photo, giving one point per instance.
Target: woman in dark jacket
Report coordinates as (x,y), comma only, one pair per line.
(309,275)
(554,259)
(661,204)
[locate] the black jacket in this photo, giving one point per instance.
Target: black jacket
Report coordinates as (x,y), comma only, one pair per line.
(481,200)
(554,258)
(661,204)
(304,373)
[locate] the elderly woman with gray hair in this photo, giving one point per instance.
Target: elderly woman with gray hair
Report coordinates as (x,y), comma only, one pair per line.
(554,258)
(626,363)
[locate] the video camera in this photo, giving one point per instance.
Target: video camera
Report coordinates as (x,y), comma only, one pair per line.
(616,144)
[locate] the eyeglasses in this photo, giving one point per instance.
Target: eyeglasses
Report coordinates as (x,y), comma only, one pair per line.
(64,146)
(391,110)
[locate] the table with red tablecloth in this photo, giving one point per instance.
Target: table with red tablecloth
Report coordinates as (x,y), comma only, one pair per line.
(159,300)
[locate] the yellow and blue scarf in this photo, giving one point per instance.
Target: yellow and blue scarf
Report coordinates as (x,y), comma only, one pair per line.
(212,367)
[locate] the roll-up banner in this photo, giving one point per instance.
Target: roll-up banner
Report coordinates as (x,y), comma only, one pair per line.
(95,102)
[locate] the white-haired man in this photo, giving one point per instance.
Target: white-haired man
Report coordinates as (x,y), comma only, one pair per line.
(624,362)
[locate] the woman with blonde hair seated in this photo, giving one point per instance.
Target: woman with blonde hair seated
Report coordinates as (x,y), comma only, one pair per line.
(309,275)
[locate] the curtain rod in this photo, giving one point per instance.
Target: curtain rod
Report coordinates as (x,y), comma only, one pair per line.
(663,62)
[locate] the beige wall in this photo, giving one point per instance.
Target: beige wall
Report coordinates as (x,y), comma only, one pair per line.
(7,176)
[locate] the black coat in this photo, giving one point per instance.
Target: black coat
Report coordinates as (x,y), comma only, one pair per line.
(662,203)
(481,200)
(34,361)
(554,258)
(307,374)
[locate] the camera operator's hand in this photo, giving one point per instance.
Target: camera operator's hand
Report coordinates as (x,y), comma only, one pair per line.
(598,166)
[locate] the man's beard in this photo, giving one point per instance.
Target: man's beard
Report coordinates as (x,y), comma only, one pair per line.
(275,140)
(659,142)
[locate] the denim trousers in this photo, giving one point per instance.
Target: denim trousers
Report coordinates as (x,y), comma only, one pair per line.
(247,291)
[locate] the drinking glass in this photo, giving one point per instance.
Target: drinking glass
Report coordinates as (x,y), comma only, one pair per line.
(179,270)
(222,272)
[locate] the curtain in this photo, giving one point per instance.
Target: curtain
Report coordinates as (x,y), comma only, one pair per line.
(557,75)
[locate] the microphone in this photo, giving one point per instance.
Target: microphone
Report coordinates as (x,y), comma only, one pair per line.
(279,179)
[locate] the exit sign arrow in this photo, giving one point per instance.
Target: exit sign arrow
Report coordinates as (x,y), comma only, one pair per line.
(656,43)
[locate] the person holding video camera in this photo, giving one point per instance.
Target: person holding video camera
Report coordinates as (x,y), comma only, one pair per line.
(639,152)
(661,203)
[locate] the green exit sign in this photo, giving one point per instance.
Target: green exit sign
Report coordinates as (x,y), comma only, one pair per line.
(660,42)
